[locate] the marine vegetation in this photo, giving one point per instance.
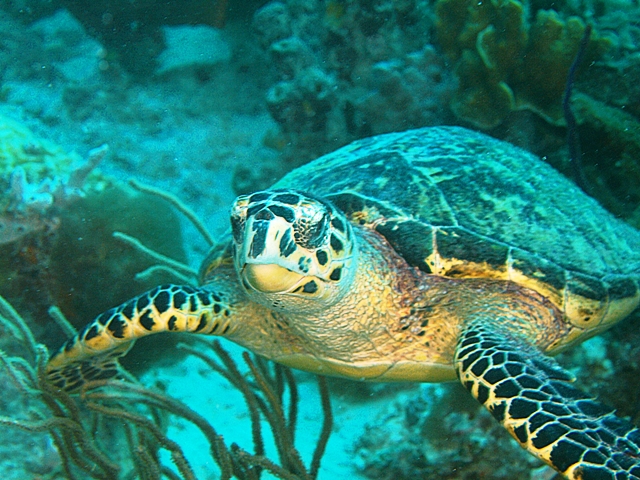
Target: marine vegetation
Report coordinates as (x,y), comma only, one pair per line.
(57,215)
(346,69)
(424,255)
(505,63)
(116,429)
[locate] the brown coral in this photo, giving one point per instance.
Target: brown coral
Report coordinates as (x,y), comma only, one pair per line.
(503,63)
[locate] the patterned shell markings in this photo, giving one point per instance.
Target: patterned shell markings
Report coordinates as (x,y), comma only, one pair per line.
(495,211)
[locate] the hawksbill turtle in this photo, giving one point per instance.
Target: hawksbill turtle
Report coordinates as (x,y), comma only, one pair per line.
(417,256)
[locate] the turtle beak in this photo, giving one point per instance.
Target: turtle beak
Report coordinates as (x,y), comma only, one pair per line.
(270,278)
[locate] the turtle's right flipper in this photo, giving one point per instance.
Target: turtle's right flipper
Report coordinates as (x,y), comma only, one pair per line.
(531,396)
(92,354)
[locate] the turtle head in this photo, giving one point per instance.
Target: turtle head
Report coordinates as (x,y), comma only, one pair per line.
(291,250)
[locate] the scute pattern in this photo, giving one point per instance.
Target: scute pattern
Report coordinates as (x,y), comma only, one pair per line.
(530,395)
(461,204)
(427,175)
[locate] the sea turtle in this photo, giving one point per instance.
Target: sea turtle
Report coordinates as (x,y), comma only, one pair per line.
(415,256)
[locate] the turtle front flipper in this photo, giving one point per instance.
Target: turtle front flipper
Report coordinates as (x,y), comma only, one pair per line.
(530,395)
(92,354)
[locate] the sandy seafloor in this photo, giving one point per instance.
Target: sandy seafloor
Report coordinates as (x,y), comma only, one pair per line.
(210,395)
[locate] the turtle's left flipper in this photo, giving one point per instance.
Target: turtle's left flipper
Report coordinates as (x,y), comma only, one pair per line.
(92,354)
(531,396)
(102,366)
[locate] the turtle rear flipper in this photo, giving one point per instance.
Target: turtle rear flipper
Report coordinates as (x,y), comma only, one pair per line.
(530,395)
(92,354)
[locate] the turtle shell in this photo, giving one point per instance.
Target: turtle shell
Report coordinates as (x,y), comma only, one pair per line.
(458,203)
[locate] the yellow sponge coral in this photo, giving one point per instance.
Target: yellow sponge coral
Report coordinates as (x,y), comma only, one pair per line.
(503,63)
(39,158)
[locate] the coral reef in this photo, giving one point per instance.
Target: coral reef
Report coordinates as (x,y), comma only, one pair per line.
(57,219)
(39,158)
(164,129)
(347,69)
(618,137)
(440,432)
(131,32)
(503,62)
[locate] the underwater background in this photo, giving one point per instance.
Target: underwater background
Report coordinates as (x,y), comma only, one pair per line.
(204,100)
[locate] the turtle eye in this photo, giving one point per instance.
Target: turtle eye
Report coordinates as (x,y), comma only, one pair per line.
(311,233)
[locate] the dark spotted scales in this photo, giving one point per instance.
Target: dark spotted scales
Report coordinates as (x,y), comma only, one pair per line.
(532,398)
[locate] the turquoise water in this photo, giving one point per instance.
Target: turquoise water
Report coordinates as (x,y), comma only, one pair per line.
(205,101)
